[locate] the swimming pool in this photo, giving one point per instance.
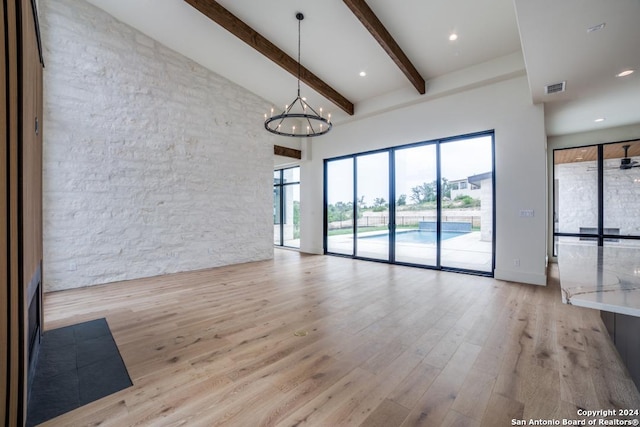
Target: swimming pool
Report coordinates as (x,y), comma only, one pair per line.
(416,236)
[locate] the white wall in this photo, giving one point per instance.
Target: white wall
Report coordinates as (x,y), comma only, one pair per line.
(520,170)
(152,164)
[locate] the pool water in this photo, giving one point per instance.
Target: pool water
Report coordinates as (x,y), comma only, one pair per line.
(417,236)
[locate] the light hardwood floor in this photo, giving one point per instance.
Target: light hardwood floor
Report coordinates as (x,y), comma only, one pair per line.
(384,346)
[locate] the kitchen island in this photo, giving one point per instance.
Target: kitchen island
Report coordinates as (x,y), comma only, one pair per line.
(606,278)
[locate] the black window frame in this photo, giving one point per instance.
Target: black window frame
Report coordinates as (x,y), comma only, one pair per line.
(392,203)
(279,186)
(600,236)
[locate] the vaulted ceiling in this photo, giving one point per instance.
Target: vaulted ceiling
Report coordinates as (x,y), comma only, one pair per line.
(550,41)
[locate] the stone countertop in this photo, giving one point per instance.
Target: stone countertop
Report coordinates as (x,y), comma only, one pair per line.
(604,278)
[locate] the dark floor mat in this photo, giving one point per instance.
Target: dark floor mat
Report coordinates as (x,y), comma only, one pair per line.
(77,364)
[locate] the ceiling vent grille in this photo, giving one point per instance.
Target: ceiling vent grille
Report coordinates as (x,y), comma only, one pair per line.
(555,88)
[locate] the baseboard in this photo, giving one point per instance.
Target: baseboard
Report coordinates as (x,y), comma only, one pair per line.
(521,277)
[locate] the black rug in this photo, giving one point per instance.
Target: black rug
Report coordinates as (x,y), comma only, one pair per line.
(77,364)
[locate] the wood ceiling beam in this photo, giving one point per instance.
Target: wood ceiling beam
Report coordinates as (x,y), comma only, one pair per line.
(369,19)
(214,11)
(279,150)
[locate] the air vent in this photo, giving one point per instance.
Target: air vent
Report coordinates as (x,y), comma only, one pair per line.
(555,88)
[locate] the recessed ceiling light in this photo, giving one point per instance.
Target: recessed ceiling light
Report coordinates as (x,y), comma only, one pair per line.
(625,73)
(599,120)
(596,28)
(453,37)
(363,73)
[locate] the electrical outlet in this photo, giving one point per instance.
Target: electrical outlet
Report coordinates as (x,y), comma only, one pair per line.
(516,262)
(526,213)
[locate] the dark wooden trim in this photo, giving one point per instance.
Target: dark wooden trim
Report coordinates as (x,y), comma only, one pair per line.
(369,19)
(20,207)
(14,415)
(5,279)
(279,150)
(238,28)
(34,8)
(23,57)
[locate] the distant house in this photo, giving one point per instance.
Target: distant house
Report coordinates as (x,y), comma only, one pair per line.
(468,186)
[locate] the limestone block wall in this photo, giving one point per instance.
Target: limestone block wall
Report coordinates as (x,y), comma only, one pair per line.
(577,198)
(486,217)
(152,163)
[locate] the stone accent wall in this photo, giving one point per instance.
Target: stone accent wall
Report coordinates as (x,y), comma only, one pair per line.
(486,203)
(152,163)
(578,197)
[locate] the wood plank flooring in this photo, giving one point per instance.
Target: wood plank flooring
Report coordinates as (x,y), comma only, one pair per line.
(305,340)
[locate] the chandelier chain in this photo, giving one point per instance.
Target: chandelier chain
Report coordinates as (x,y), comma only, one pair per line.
(299,16)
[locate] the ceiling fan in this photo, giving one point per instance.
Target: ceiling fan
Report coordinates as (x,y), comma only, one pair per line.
(626,162)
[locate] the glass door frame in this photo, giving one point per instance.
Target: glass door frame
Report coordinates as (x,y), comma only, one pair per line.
(600,236)
(392,204)
(281,186)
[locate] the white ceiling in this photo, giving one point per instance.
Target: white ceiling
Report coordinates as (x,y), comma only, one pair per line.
(336,47)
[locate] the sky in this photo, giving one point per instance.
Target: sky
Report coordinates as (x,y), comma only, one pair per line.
(414,166)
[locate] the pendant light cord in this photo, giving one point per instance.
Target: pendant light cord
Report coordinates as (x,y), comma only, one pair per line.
(300,17)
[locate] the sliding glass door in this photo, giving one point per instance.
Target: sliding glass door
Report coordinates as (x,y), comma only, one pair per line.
(286,207)
(596,189)
(429,204)
(621,191)
(339,207)
(372,206)
(466,233)
(416,212)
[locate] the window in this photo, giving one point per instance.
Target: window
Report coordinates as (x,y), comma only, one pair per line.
(286,207)
(404,205)
(372,207)
(339,212)
(595,194)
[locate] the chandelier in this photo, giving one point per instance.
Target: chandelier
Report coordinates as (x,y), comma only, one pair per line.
(298,119)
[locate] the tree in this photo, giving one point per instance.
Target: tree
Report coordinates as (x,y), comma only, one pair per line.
(379,202)
(341,211)
(423,193)
(402,200)
(446,188)
(427,192)
(296,219)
